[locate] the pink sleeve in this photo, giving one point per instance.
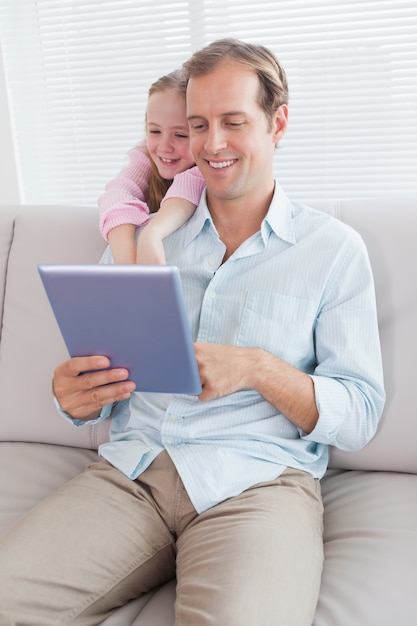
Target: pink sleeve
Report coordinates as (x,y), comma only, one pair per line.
(124,198)
(187,185)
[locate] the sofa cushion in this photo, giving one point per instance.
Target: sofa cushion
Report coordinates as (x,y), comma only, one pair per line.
(388,227)
(31,471)
(31,344)
(370,549)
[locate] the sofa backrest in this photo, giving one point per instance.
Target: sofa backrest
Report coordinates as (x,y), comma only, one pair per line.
(31,345)
(389,228)
(7,215)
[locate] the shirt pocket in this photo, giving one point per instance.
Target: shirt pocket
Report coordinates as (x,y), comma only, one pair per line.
(280,324)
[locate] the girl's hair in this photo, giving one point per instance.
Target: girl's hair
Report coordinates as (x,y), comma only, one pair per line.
(273,85)
(158,186)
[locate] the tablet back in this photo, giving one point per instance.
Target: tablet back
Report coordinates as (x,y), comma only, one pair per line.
(134,314)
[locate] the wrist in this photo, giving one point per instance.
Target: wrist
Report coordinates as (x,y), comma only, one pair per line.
(258,367)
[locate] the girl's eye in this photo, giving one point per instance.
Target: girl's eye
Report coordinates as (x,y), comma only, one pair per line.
(154,132)
(180,136)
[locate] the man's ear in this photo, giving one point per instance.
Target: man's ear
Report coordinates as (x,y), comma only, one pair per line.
(279,123)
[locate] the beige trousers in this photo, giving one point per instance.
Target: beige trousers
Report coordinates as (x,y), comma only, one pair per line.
(103,539)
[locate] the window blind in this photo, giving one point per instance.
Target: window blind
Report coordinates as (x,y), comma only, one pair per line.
(78,72)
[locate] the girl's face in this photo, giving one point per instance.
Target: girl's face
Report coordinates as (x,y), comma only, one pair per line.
(167,135)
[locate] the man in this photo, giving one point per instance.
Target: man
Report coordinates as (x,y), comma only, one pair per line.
(221,490)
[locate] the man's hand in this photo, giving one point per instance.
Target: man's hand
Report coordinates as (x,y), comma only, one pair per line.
(223,369)
(226,369)
(83,396)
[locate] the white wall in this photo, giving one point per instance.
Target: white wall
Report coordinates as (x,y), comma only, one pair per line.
(9,189)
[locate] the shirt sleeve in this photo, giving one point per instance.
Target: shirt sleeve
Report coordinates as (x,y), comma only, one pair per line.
(348,379)
(124,198)
(104,414)
(188,185)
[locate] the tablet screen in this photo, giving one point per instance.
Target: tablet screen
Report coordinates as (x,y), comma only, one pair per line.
(133,314)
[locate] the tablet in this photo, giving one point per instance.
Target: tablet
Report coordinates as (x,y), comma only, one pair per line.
(133,314)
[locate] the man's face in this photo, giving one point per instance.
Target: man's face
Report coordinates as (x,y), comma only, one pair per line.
(230,136)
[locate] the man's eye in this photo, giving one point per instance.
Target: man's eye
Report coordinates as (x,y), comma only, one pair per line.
(198,127)
(154,132)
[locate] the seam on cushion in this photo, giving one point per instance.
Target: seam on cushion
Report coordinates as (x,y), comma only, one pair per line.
(6,265)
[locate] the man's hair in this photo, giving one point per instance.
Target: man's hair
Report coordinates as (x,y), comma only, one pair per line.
(273,85)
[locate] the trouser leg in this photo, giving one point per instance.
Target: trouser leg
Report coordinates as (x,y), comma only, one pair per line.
(254,559)
(90,547)
(103,539)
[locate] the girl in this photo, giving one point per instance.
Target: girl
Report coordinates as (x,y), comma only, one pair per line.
(139,189)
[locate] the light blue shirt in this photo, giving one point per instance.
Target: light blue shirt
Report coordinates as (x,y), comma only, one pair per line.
(302,289)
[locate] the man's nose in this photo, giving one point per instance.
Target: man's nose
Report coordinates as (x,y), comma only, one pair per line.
(215,140)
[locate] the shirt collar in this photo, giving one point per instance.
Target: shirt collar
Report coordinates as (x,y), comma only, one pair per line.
(278,219)
(199,220)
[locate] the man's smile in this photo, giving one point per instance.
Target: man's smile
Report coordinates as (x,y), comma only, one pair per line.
(218,165)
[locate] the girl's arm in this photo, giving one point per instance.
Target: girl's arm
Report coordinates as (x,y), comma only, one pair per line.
(176,208)
(122,244)
(123,206)
(172,214)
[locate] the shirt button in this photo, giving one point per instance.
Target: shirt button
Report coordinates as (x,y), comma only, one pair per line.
(211,262)
(212,294)
(174,417)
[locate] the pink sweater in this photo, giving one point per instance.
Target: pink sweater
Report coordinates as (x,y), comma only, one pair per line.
(124,198)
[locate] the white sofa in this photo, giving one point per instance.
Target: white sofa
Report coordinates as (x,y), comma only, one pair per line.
(370,497)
